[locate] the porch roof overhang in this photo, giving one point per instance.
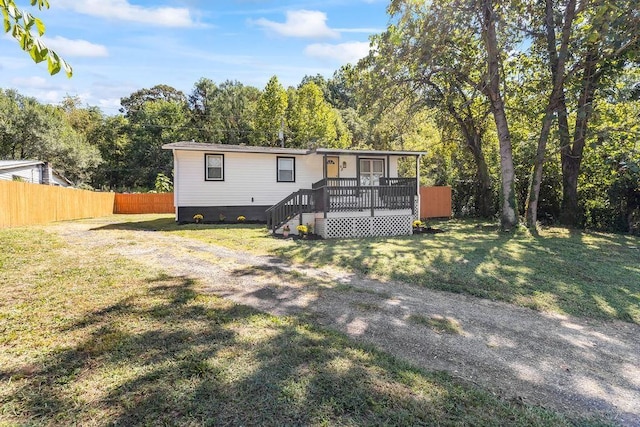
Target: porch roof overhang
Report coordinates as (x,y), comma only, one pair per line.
(205,146)
(339,151)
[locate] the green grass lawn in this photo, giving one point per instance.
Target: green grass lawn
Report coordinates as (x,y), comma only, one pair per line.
(89,338)
(586,274)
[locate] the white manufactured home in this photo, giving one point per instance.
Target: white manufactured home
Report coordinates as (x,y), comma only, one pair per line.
(341,193)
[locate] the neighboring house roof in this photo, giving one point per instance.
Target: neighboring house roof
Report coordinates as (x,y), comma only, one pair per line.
(13,164)
(203,146)
(8,165)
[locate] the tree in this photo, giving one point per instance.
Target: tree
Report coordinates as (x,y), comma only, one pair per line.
(342,89)
(236,104)
(270,112)
(20,24)
(312,121)
(430,57)
(30,130)
(597,39)
(137,100)
(492,89)
(155,123)
(113,140)
(205,117)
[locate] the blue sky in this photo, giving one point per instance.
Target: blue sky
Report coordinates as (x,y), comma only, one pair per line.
(119,46)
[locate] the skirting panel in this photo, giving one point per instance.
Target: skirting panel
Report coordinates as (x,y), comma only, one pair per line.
(213,214)
(346,227)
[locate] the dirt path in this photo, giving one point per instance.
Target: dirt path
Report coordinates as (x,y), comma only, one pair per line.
(559,362)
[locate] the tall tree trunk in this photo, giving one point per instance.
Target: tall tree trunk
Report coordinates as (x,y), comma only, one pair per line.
(571,155)
(473,139)
(484,194)
(557,61)
(509,209)
(536,175)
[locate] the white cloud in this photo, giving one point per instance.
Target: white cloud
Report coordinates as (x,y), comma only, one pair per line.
(31,82)
(342,53)
(71,48)
(109,104)
(51,97)
(301,23)
(124,11)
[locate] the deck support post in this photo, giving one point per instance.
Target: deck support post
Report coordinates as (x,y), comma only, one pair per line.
(418,160)
(371,197)
(325,196)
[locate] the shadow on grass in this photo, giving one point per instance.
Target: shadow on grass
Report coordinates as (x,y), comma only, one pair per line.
(579,273)
(173,356)
(169,224)
(593,275)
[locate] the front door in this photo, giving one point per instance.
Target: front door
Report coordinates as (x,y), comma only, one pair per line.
(333,170)
(371,170)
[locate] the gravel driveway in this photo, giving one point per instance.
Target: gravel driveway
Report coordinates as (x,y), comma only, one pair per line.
(568,364)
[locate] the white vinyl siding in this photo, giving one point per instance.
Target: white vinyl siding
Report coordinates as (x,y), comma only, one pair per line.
(249,179)
(28,174)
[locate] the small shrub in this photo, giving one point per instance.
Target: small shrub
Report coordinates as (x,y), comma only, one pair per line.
(198,217)
(241,218)
(302,229)
(221,217)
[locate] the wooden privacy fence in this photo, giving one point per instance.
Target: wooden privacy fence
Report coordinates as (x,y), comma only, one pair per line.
(143,203)
(435,202)
(26,204)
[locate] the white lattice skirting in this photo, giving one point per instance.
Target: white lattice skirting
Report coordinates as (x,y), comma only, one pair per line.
(345,227)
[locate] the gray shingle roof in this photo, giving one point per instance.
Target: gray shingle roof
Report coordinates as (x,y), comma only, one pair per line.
(204,146)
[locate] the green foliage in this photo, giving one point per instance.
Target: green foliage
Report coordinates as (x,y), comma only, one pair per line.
(237,106)
(164,184)
(429,63)
(155,123)
(205,117)
(30,130)
(270,113)
(113,139)
(132,104)
(20,24)
(312,121)
(610,185)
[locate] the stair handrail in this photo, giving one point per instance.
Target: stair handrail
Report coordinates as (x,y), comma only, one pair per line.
(296,203)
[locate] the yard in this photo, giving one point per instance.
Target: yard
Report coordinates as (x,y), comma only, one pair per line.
(91,337)
(592,275)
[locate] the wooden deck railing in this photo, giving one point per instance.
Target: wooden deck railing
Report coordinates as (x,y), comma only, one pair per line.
(295,204)
(346,195)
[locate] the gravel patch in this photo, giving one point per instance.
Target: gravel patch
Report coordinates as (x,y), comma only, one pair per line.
(573,365)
